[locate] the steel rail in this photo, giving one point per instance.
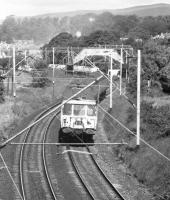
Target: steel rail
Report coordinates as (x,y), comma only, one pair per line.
(44,158)
(104,175)
(79,175)
(101,170)
(21,176)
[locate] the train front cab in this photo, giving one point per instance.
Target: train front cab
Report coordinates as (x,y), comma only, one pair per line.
(78,121)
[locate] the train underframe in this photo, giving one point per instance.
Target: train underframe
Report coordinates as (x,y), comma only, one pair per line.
(70,135)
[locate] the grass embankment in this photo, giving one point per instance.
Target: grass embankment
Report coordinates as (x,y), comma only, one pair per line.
(28,100)
(146,164)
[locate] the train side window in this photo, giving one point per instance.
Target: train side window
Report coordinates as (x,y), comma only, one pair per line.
(67,109)
(79,110)
(91,110)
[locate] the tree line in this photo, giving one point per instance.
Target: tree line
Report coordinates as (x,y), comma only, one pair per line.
(105,29)
(41,30)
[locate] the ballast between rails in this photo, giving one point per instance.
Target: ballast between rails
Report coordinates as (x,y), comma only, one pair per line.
(79,174)
(105,177)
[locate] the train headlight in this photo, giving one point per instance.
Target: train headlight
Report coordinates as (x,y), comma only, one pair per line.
(66,121)
(90,123)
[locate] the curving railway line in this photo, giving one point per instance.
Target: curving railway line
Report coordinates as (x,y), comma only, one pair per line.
(93,178)
(45,164)
(36,179)
(28,165)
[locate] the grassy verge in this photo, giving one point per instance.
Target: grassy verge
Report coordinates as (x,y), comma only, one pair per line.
(146,164)
(27,101)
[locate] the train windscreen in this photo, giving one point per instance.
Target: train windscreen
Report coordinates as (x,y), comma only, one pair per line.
(79,110)
(67,109)
(91,110)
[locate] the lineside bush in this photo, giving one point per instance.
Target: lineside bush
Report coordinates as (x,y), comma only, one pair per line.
(149,167)
(154,120)
(40,78)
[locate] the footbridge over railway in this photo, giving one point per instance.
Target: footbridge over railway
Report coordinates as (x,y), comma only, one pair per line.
(86,52)
(81,59)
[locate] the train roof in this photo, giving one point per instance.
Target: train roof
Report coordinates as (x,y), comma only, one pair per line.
(81,101)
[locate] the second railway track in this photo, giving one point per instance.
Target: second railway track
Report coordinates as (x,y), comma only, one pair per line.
(92,176)
(32,161)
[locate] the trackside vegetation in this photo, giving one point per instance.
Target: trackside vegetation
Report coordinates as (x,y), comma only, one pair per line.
(149,167)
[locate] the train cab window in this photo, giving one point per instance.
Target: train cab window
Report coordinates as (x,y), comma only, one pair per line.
(79,110)
(91,110)
(67,109)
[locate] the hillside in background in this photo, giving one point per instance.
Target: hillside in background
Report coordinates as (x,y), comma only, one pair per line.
(69,14)
(120,23)
(145,10)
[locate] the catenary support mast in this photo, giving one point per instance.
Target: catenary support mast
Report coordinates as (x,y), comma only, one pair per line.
(14,78)
(53,74)
(121,63)
(138,97)
(111,80)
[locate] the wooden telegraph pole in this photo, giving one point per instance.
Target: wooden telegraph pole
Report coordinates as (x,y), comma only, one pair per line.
(138,97)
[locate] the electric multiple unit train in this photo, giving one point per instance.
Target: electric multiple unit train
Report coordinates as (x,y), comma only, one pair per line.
(79,117)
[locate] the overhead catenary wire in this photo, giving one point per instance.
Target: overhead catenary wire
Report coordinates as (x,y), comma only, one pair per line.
(92,64)
(108,79)
(79,85)
(59,144)
(120,122)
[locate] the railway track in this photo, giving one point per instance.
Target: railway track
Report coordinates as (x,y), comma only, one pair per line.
(27,153)
(102,188)
(50,184)
(85,185)
(119,195)
(91,175)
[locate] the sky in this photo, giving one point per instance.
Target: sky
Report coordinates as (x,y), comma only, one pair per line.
(36,7)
